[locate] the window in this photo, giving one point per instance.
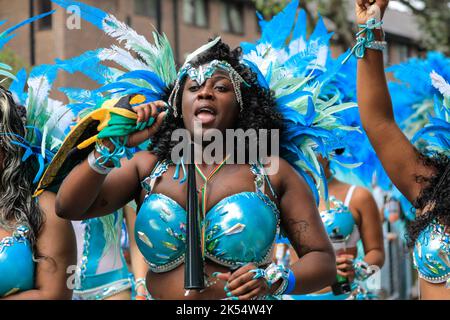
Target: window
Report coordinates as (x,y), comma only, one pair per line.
(231,17)
(146,8)
(46,22)
(402,52)
(195,12)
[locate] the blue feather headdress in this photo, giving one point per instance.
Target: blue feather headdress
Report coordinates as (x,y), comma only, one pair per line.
(412,91)
(358,164)
(295,68)
(436,133)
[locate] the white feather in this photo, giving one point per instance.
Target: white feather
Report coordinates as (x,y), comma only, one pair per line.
(440,84)
(122,58)
(200,50)
(133,40)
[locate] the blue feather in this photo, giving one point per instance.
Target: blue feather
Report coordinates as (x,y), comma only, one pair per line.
(89,64)
(24,22)
(291,97)
(146,75)
(300,26)
(261,79)
(277,30)
(17,87)
(91,14)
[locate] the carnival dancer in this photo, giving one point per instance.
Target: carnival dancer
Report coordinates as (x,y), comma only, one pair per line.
(103,273)
(221,91)
(353,216)
(423,178)
(36,246)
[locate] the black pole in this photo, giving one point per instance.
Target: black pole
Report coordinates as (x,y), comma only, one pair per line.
(158,16)
(32,34)
(193,264)
(176,31)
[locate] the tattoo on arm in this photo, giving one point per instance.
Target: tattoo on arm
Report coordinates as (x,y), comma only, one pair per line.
(298,230)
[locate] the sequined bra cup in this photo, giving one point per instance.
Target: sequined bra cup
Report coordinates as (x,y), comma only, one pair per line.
(16,263)
(339,220)
(239,229)
(432,254)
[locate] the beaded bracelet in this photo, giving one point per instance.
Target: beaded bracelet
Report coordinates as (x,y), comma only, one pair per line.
(141,282)
(367,40)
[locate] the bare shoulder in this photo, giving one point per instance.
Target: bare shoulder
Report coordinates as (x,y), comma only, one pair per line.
(46,203)
(362,195)
(283,175)
(364,203)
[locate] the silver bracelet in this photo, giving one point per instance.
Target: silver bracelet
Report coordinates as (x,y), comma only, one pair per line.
(376,45)
(100,169)
(272,274)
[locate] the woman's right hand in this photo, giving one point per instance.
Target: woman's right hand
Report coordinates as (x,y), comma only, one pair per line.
(144,112)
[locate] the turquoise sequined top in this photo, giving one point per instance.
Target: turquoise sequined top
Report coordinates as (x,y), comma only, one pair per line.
(339,220)
(240,228)
(16,263)
(432,254)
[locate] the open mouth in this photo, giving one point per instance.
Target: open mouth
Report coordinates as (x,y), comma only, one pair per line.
(205,114)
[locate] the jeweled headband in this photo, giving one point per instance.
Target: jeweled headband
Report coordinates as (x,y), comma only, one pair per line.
(204,72)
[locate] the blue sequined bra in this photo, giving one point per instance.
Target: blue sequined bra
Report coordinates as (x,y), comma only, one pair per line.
(16,263)
(432,254)
(339,220)
(239,229)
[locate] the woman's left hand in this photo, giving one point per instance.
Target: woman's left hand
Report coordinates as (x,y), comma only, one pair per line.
(365,9)
(345,266)
(241,284)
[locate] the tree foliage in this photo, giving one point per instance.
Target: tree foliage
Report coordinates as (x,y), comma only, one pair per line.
(433,17)
(9,57)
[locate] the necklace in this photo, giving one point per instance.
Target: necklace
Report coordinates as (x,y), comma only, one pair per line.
(204,192)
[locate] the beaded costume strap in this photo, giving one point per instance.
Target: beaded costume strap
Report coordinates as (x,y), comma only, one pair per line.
(159,169)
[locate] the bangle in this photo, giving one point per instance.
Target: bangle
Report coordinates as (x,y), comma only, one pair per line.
(376,45)
(93,163)
(291,282)
(275,272)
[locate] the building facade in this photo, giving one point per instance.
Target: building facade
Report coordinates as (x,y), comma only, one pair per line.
(187,24)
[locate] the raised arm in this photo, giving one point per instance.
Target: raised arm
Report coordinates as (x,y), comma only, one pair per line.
(399,157)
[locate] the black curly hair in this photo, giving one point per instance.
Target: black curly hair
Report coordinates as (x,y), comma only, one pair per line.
(435,196)
(259,110)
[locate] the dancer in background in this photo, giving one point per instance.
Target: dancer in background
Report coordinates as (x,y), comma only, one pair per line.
(423,178)
(36,247)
